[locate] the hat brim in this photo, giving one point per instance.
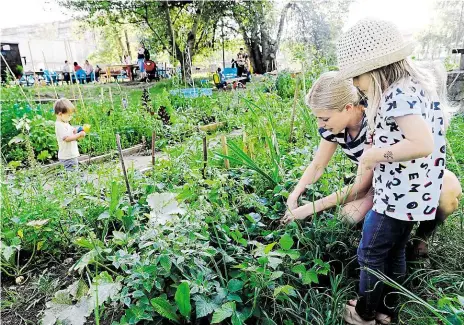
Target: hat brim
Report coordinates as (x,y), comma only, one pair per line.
(375,63)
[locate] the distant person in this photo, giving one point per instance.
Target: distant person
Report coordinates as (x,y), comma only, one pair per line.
(219,79)
(66,72)
(88,70)
(97,72)
(240,62)
(141,60)
(247,69)
(66,135)
(77,67)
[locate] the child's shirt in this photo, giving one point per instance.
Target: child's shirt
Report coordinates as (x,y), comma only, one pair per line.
(66,150)
(408,190)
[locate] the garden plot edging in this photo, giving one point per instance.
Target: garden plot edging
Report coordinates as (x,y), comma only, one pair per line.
(85,159)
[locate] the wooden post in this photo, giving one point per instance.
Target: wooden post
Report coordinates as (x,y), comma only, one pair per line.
(292,121)
(252,149)
(205,156)
(225,151)
(101,95)
(111,98)
(121,157)
(153,139)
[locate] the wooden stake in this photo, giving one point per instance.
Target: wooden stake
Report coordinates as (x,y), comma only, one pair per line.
(252,149)
(225,151)
(51,78)
(121,158)
(15,79)
(205,156)
(153,139)
(111,99)
(33,70)
(295,100)
(101,95)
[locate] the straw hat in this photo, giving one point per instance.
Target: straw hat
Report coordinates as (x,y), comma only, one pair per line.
(369,45)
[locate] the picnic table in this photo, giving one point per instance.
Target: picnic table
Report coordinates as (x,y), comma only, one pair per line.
(124,66)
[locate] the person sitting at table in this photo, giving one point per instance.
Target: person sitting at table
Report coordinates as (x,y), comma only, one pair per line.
(77,66)
(88,70)
(66,72)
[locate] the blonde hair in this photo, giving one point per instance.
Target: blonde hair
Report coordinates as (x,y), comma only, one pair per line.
(384,77)
(63,105)
(328,92)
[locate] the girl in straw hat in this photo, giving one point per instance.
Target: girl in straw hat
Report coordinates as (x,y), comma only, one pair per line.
(406,127)
(339,108)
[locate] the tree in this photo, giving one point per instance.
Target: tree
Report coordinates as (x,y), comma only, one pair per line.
(262,25)
(446,32)
(181,28)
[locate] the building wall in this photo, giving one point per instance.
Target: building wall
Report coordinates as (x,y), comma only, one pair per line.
(49,45)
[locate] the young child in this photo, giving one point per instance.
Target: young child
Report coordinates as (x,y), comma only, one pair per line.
(339,109)
(66,135)
(408,157)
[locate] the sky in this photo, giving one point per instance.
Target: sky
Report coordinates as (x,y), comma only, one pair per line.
(398,11)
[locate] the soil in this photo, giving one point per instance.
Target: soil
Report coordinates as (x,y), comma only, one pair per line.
(24,303)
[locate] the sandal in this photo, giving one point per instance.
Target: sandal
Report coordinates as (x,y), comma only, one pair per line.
(383,319)
(351,316)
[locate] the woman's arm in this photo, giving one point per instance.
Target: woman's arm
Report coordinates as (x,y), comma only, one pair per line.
(316,168)
(359,188)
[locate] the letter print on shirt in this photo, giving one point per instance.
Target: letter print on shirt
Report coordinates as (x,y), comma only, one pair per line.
(408,190)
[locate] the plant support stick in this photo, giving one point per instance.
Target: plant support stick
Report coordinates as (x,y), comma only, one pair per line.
(205,156)
(121,157)
(225,151)
(295,99)
(153,148)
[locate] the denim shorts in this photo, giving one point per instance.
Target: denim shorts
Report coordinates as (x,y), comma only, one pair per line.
(70,164)
(141,63)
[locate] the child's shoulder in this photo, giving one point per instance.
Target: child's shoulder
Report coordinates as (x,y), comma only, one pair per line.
(403,88)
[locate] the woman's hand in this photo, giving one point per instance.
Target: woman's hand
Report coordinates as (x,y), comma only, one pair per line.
(300,213)
(292,201)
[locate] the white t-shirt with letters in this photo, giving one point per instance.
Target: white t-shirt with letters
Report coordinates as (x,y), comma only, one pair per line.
(408,190)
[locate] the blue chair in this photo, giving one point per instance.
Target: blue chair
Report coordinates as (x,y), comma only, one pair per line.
(50,76)
(81,76)
(230,73)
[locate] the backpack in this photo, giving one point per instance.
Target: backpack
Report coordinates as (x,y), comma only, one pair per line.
(216,78)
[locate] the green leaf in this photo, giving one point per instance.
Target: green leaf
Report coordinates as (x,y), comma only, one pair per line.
(164,308)
(299,268)
(223,312)
(203,306)
(269,247)
(165,262)
(276,275)
(234,297)
(235,285)
(310,277)
(286,242)
(293,254)
(182,299)
(286,289)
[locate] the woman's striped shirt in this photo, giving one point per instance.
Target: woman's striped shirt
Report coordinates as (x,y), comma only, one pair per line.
(353,148)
